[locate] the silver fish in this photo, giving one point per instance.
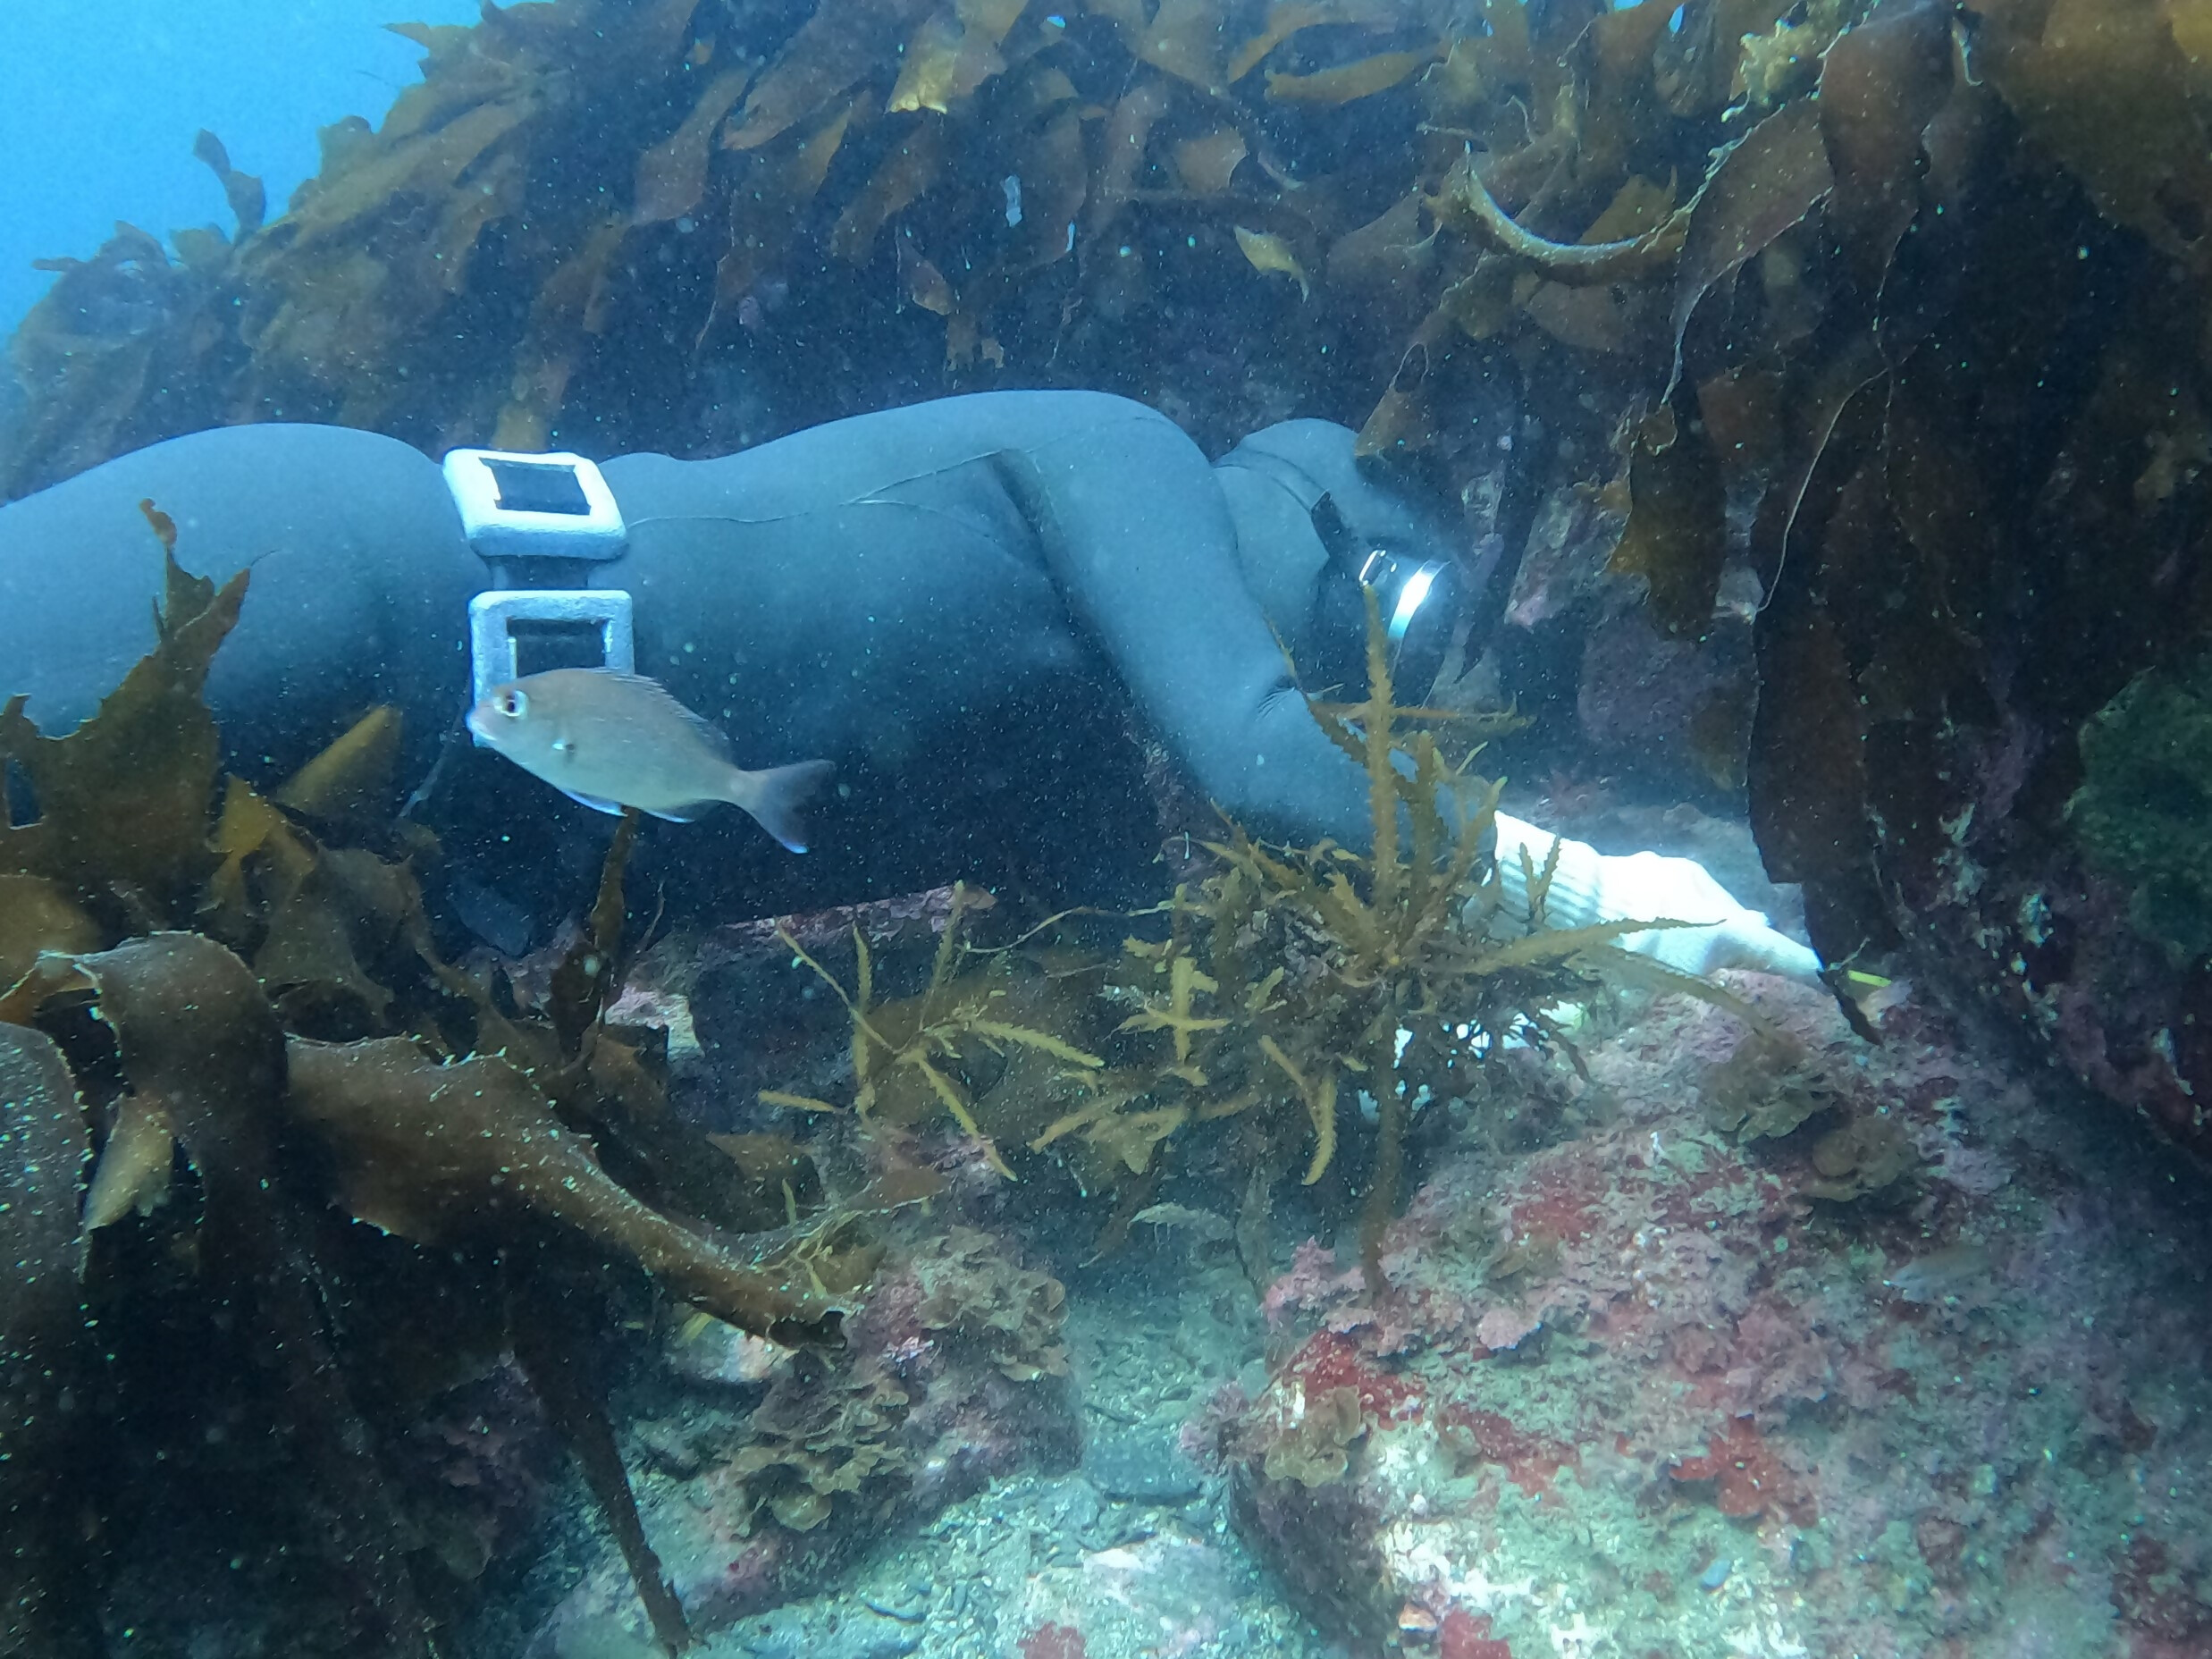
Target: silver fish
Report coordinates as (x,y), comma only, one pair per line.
(611,740)
(1955,1270)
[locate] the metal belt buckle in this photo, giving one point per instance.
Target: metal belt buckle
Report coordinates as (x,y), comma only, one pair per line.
(492,616)
(516,507)
(542,516)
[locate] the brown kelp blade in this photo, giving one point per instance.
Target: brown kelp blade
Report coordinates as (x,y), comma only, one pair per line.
(430,1151)
(36,915)
(195,1033)
(42,1347)
(122,800)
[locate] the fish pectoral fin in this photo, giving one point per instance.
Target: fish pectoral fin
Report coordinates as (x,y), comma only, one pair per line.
(613,809)
(689,813)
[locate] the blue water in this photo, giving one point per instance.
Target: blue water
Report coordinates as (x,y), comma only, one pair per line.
(104,97)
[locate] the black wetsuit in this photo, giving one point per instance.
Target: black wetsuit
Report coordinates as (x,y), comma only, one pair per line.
(961,603)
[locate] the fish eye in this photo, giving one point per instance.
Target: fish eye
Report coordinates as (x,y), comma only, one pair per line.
(510,702)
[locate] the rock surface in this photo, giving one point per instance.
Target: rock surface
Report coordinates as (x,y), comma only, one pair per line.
(1645,1381)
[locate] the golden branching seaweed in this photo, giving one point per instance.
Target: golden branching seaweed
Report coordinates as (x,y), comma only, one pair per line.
(1389,968)
(1284,979)
(922,1040)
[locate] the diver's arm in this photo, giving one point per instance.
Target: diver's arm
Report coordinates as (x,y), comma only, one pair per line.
(1140,539)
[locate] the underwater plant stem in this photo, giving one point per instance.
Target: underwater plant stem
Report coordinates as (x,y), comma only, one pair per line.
(582,978)
(1574,264)
(553,1347)
(858,1010)
(1379,719)
(1390,1158)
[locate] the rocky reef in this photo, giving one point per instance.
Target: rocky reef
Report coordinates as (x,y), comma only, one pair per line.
(373,1303)
(1851,363)
(1668,1387)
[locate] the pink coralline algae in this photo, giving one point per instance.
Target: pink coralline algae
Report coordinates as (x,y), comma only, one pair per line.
(1667,1375)
(1053,1641)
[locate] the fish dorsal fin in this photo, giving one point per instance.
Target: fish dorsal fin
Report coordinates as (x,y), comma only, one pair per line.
(709,734)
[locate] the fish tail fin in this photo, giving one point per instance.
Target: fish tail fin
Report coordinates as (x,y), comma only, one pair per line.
(775,796)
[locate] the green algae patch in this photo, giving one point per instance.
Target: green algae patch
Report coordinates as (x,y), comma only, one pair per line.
(2144,809)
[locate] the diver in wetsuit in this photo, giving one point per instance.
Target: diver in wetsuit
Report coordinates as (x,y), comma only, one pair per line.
(966,605)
